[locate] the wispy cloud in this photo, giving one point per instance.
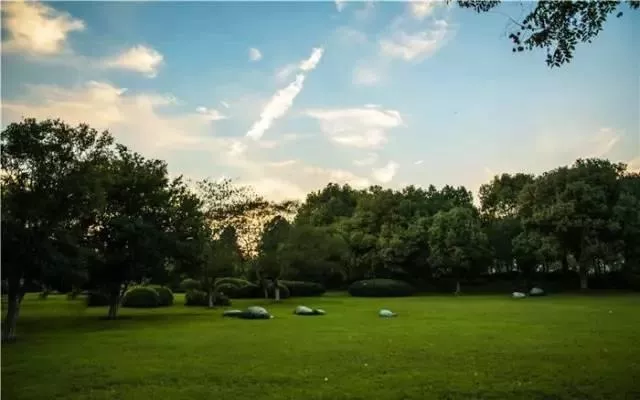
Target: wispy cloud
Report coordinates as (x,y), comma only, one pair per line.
(35,28)
(254,54)
(415,45)
(421,9)
(364,127)
(370,159)
(387,173)
(419,162)
(282,101)
(211,114)
(140,58)
(340,4)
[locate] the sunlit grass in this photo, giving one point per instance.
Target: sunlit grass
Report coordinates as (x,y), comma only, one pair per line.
(469,347)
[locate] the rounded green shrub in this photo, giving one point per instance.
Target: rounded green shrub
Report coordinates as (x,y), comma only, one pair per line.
(381,288)
(304,289)
(228,289)
(233,281)
(190,284)
(166,295)
(141,297)
(97,299)
(200,298)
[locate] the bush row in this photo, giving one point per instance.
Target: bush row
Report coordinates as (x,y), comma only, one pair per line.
(136,297)
(200,298)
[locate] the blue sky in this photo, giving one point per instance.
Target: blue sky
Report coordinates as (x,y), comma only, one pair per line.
(289,96)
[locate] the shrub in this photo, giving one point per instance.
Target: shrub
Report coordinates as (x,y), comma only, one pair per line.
(228,289)
(380,288)
(190,284)
(97,299)
(200,298)
(141,297)
(251,291)
(233,281)
(304,289)
(166,295)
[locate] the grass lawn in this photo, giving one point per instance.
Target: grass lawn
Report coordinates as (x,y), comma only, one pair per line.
(471,347)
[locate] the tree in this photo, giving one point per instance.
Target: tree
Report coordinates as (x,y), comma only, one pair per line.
(576,206)
(457,242)
(50,196)
(627,216)
(132,237)
(269,264)
(556,26)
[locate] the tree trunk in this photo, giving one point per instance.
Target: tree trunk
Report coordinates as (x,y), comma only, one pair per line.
(565,263)
(210,296)
(114,302)
(10,320)
(457,288)
(584,281)
(277,292)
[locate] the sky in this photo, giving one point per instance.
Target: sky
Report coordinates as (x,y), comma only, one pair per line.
(289,96)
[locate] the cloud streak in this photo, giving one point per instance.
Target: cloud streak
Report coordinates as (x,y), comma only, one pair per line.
(282,101)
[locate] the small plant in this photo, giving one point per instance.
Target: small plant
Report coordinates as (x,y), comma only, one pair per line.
(141,297)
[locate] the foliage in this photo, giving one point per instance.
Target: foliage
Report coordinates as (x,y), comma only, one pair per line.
(97,299)
(201,298)
(304,289)
(232,281)
(141,297)
(190,284)
(165,295)
(380,288)
(556,26)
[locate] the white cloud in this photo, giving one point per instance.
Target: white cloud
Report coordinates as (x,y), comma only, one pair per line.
(36,28)
(415,46)
(357,127)
(365,76)
(139,59)
(254,54)
(282,101)
(385,174)
(211,114)
(419,162)
(570,146)
(421,9)
(185,141)
(285,72)
(224,104)
(371,158)
(633,165)
(340,4)
(312,62)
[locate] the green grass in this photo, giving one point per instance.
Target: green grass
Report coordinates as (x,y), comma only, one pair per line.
(471,347)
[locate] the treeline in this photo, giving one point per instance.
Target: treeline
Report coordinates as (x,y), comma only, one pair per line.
(81,212)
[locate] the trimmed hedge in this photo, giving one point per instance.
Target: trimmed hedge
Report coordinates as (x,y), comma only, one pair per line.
(381,288)
(97,299)
(228,289)
(166,295)
(304,289)
(141,297)
(200,298)
(190,284)
(232,281)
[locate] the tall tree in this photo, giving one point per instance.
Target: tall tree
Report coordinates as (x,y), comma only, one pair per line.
(269,264)
(132,236)
(50,195)
(556,26)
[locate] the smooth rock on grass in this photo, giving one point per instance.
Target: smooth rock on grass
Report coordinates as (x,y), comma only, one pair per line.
(304,310)
(384,313)
(518,295)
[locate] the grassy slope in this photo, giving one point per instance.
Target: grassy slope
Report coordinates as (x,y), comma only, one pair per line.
(562,347)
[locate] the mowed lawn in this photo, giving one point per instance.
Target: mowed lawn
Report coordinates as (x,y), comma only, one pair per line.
(470,347)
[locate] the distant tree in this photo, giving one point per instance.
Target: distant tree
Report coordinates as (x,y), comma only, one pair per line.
(556,26)
(627,216)
(457,242)
(51,193)
(576,205)
(269,264)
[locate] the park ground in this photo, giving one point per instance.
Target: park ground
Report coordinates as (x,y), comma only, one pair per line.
(467,347)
